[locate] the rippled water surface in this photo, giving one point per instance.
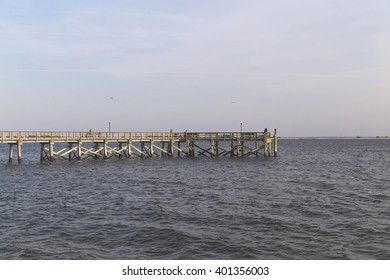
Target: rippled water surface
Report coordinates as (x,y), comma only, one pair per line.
(320,199)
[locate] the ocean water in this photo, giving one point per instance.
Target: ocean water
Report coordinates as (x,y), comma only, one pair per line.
(320,199)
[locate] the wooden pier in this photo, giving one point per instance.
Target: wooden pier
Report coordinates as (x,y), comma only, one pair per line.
(84,145)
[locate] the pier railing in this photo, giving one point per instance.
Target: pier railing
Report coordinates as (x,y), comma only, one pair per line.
(92,136)
(41,136)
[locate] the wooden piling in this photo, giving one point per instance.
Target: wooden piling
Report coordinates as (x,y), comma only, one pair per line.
(188,150)
(79,150)
(96,150)
(51,150)
(105,149)
(129,151)
(42,151)
(213,150)
(20,143)
(275,143)
(10,152)
(70,147)
(171,144)
(151,150)
(163,153)
(232,145)
(267,144)
(143,149)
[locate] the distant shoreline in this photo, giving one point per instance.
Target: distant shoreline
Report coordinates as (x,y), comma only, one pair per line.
(335,138)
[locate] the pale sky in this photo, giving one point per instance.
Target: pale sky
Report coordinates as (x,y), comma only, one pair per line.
(306,67)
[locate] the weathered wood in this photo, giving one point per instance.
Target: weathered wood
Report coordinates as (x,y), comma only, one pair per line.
(79,150)
(163,152)
(129,151)
(171,146)
(151,144)
(151,151)
(104,149)
(140,151)
(275,143)
(43,152)
(19,150)
(214,148)
(232,147)
(51,150)
(143,154)
(70,150)
(11,149)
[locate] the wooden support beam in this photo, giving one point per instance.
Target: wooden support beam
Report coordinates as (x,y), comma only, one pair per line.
(247,151)
(79,150)
(191,148)
(19,150)
(61,153)
(51,150)
(140,151)
(208,151)
(188,147)
(105,154)
(42,151)
(11,151)
(96,151)
(120,152)
(275,143)
(232,146)
(177,148)
(267,144)
(214,148)
(238,147)
(143,154)
(203,151)
(267,147)
(163,152)
(151,151)
(70,148)
(170,146)
(226,152)
(129,150)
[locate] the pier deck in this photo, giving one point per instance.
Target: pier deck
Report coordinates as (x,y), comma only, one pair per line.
(83,145)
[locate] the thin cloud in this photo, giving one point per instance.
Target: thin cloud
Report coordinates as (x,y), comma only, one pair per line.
(306,58)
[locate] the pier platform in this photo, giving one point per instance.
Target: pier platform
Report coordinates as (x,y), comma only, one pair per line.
(84,145)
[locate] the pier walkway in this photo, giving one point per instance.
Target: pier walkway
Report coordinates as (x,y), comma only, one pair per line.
(83,145)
